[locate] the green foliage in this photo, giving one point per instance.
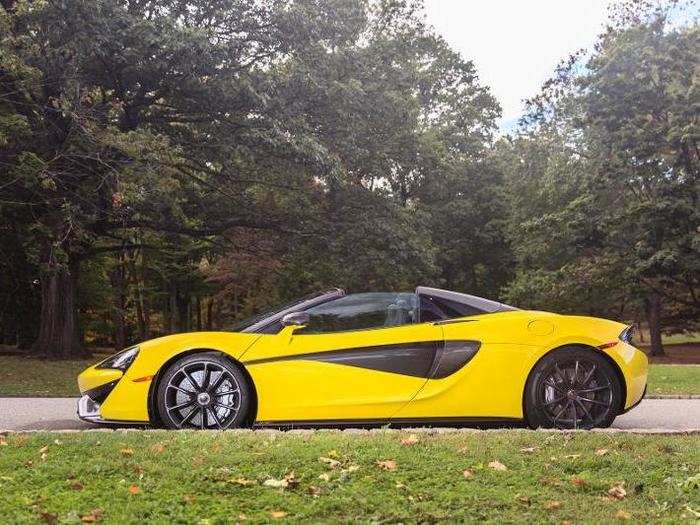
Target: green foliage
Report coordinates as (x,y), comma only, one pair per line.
(174,165)
(604,178)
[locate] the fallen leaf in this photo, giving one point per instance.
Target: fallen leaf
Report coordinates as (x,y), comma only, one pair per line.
(275,483)
(48,517)
(44,449)
(57,442)
(134,489)
(277,514)
(547,481)
(601,451)
(3,441)
(127,452)
(400,485)
(158,448)
(314,491)
(242,481)
(528,450)
(468,473)
(497,465)
(332,463)
(386,464)
(292,480)
(289,481)
(572,456)
(553,504)
(93,516)
(187,498)
(410,440)
(76,485)
(617,491)
(623,515)
(525,500)
(29,463)
(578,481)
(325,476)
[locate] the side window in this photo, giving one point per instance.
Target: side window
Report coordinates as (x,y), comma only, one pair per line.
(437,308)
(362,311)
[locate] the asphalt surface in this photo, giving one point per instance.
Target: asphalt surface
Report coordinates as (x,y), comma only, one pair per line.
(21,413)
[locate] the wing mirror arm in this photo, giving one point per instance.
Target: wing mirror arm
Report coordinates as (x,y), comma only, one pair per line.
(296,319)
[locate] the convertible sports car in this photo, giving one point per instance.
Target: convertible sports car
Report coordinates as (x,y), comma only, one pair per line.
(432,356)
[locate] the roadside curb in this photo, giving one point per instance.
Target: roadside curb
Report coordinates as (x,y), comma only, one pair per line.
(362,431)
(672,396)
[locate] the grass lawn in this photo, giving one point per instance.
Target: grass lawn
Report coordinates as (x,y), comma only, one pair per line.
(208,477)
(36,377)
(674,379)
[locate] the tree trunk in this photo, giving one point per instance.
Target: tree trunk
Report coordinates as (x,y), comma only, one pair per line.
(198,306)
(119,285)
(172,307)
(142,313)
(653,303)
(58,331)
(183,310)
(210,306)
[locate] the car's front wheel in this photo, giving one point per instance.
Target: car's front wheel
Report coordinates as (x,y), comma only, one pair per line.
(572,388)
(203,391)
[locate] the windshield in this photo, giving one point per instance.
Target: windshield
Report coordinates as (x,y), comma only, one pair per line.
(245,324)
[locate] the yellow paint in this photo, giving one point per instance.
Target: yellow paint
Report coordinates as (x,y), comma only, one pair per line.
(298,389)
(491,385)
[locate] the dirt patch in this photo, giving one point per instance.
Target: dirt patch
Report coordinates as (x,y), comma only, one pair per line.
(678,354)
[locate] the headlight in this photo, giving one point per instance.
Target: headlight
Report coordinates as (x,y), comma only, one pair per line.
(120,361)
(627,335)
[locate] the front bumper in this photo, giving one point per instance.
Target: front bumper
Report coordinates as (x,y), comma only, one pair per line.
(89,410)
(89,403)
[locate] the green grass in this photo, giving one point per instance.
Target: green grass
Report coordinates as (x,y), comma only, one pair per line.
(207,477)
(38,377)
(674,379)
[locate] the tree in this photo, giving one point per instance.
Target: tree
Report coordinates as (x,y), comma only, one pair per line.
(623,132)
(137,115)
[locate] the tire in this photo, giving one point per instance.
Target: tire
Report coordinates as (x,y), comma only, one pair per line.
(203,391)
(572,387)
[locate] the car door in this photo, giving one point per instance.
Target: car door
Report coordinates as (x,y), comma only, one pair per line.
(360,357)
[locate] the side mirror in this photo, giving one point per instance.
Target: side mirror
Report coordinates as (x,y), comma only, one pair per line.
(296,319)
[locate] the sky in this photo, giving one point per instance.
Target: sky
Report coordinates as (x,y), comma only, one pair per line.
(516,44)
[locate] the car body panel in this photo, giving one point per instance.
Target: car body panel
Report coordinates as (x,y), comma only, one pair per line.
(292,389)
(380,374)
(129,399)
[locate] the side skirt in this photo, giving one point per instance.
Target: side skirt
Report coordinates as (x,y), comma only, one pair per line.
(487,422)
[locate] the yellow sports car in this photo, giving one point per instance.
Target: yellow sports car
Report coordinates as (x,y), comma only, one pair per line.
(432,356)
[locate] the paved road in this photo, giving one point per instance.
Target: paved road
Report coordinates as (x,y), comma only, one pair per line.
(59,414)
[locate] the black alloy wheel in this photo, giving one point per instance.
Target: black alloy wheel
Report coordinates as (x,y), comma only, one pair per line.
(573,388)
(203,391)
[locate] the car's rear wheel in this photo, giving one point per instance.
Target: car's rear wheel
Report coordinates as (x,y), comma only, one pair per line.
(572,387)
(203,391)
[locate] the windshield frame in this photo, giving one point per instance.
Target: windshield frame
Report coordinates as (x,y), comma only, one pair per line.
(259,322)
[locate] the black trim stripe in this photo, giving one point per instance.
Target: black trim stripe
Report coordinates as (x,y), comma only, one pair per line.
(399,422)
(428,359)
